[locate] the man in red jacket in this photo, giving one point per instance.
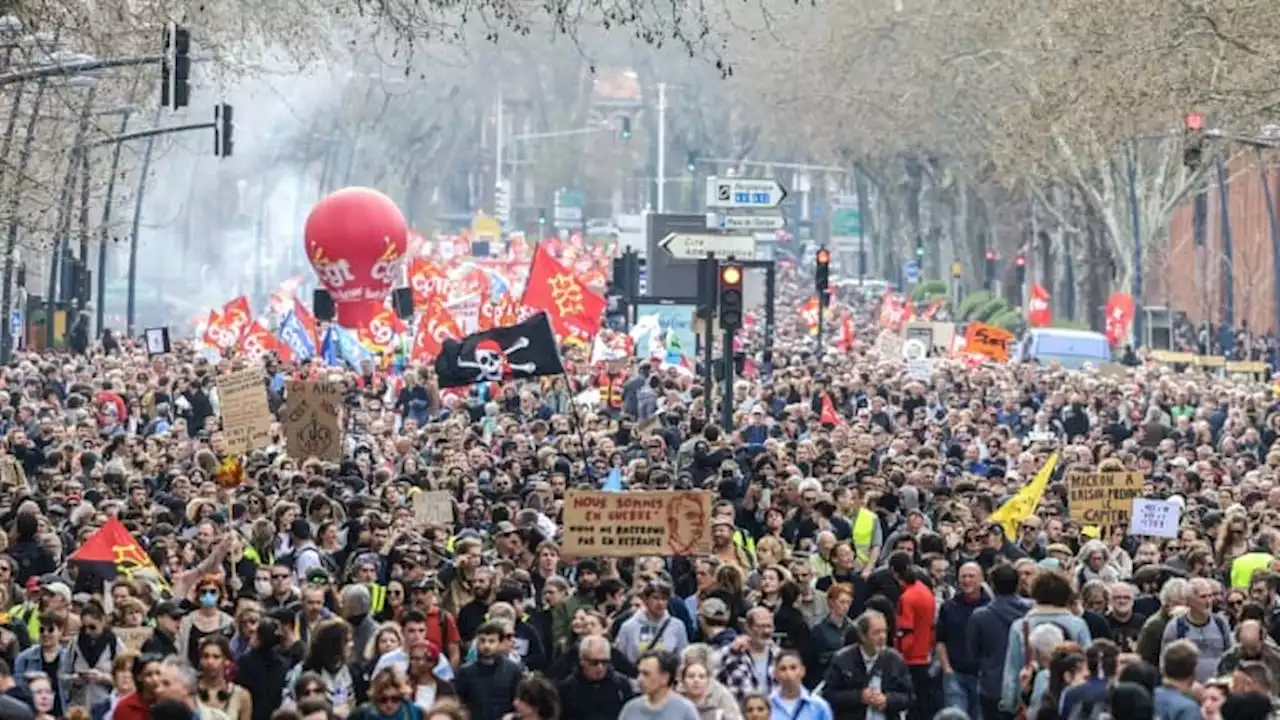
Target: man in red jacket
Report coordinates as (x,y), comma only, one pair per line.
(916,608)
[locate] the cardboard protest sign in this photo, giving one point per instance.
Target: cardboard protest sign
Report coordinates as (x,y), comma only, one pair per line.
(1104,499)
(134,638)
(433,507)
(631,524)
(312,427)
(246,417)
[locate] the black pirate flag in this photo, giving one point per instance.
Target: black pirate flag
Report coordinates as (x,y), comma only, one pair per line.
(504,353)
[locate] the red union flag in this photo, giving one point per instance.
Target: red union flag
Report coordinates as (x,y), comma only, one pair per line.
(1038,312)
(434,327)
(1119,315)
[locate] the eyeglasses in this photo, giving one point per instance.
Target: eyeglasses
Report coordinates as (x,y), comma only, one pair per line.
(279,576)
(48,628)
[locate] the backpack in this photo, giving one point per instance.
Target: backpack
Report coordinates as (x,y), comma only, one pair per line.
(1183,626)
(290,560)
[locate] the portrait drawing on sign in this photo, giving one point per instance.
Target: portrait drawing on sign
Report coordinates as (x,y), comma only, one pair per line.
(686,524)
(493,363)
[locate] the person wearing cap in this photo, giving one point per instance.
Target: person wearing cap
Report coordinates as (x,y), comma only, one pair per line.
(715,623)
(164,639)
(50,657)
(653,628)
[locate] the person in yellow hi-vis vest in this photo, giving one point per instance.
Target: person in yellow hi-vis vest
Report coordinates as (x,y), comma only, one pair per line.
(1258,559)
(868,534)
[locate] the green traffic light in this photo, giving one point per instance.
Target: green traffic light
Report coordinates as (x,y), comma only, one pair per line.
(919,252)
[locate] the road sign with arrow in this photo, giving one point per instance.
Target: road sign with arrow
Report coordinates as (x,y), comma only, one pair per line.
(690,246)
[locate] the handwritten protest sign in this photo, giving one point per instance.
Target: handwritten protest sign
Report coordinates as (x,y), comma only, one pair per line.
(433,507)
(987,340)
(246,417)
(631,524)
(1155,518)
(134,638)
(1103,499)
(310,420)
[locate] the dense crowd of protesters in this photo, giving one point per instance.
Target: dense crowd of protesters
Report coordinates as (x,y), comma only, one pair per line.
(856,568)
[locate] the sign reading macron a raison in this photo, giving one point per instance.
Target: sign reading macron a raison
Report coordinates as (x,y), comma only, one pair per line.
(631,524)
(1104,499)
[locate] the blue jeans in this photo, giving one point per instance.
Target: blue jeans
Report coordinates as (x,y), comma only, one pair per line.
(961,691)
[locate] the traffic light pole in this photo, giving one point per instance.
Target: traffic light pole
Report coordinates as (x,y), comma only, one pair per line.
(710,276)
(770,303)
(726,411)
(822,312)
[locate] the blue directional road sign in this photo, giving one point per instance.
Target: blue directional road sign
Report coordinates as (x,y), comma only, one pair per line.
(15,324)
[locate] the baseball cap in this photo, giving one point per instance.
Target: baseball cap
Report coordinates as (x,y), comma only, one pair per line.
(60,589)
(168,608)
(715,610)
(504,528)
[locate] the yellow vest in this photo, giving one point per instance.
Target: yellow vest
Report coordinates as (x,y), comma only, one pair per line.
(864,533)
(1243,568)
(377,598)
(744,541)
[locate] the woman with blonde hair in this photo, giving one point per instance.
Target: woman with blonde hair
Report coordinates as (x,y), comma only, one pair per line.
(697,683)
(388,638)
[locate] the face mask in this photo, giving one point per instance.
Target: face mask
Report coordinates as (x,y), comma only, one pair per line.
(262,587)
(208,600)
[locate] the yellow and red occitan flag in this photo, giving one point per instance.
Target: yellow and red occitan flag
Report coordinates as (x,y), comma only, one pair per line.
(573,309)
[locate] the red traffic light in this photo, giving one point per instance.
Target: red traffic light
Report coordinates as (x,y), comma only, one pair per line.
(1194,121)
(991,255)
(824,257)
(1020,260)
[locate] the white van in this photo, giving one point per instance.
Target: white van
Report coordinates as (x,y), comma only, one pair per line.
(1069,348)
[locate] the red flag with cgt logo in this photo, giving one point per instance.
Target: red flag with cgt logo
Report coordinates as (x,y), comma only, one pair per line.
(382,330)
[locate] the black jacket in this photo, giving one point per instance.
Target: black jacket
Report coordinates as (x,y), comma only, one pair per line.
(583,699)
(263,675)
(848,677)
(488,691)
(160,643)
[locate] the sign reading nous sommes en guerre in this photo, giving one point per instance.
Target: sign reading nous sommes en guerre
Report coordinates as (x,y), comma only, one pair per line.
(635,523)
(1104,499)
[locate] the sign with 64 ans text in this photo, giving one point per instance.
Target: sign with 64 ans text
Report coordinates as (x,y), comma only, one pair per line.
(1104,499)
(312,427)
(632,524)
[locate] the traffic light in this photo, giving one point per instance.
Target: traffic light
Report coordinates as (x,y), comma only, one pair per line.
(175,68)
(691,161)
(1193,141)
(1019,270)
(822,272)
(223,130)
(989,278)
(624,131)
(542,216)
(731,297)
(919,251)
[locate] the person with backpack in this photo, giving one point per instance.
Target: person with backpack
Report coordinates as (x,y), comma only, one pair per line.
(1210,632)
(304,555)
(1053,596)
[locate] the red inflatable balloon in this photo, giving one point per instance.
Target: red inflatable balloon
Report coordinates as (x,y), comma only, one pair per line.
(355,240)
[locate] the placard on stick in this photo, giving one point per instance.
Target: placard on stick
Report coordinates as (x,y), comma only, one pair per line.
(312,427)
(631,524)
(1103,499)
(246,417)
(134,638)
(433,507)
